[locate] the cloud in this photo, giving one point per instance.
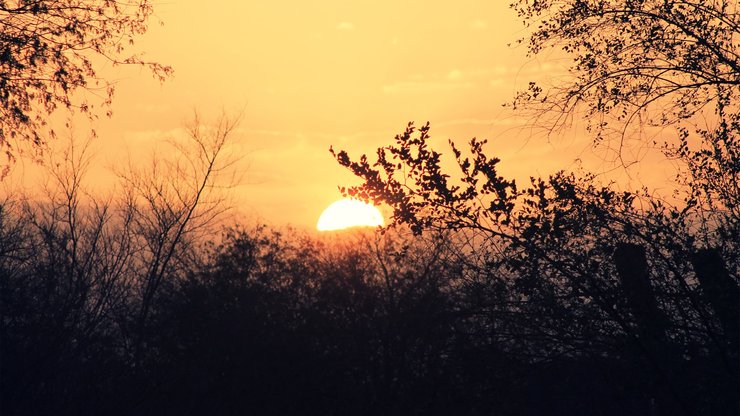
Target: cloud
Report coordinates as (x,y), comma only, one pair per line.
(152,108)
(477,122)
(420,87)
(455,74)
(496,82)
(478,24)
(345,26)
(455,79)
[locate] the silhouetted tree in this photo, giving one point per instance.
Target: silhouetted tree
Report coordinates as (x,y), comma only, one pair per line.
(562,281)
(578,280)
(49,50)
(173,202)
(63,281)
(79,274)
(635,63)
(275,323)
(642,64)
(645,64)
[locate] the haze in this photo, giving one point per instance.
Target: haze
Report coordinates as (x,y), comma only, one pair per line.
(310,75)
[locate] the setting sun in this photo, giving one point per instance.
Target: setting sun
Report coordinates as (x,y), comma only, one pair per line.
(348,213)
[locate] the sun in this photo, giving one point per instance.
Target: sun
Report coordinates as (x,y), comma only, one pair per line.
(348,213)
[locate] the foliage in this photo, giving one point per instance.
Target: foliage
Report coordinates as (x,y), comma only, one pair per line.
(271,321)
(571,272)
(287,325)
(562,296)
(80,273)
(710,177)
(635,62)
(552,254)
(50,50)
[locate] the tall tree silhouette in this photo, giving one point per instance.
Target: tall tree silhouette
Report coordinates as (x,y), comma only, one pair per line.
(587,273)
(80,273)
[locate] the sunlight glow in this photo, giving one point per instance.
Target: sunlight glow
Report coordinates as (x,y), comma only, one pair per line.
(348,213)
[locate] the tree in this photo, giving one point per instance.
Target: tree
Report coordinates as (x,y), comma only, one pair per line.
(49,50)
(647,64)
(175,201)
(636,63)
(80,272)
(552,255)
(584,273)
(62,283)
(275,322)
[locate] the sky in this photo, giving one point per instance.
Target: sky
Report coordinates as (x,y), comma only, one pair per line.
(309,75)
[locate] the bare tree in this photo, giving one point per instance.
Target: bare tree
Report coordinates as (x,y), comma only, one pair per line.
(79,272)
(73,263)
(175,200)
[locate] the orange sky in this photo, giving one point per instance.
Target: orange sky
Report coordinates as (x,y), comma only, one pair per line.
(327,72)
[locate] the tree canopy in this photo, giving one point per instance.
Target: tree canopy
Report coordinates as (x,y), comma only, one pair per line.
(50,50)
(634,62)
(579,260)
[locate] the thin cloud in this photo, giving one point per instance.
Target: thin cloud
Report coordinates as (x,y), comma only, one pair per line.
(345,26)
(455,79)
(496,82)
(455,74)
(478,24)
(476,122)
(153,108)
(417,87)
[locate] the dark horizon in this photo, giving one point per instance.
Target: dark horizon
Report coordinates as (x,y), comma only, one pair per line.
(478,264)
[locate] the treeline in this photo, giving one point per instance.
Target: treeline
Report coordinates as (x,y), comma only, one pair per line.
(562,297)
(275,322)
